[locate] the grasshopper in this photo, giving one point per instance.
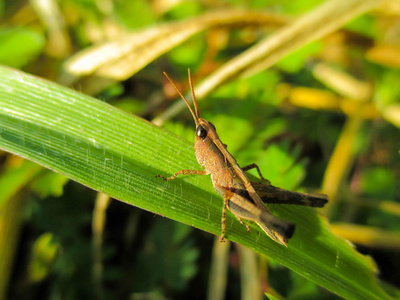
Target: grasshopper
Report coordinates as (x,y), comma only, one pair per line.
(242,197)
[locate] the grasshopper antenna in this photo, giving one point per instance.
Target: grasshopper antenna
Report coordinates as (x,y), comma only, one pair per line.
(183,97)
(193,95)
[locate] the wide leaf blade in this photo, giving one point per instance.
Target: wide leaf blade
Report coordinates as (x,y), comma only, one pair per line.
(111,151)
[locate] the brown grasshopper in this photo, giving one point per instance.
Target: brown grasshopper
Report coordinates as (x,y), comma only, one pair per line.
(242,197)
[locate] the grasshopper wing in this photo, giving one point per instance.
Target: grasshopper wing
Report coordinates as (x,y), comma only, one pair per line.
(271,194)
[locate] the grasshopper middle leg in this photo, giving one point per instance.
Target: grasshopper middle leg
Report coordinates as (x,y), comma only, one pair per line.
(255,166)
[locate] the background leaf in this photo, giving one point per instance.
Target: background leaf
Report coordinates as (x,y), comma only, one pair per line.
(19,46)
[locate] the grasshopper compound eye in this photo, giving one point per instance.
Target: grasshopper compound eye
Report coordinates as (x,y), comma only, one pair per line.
(201,132)
(212,125)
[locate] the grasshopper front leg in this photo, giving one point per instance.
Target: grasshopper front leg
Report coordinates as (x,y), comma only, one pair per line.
(183,172)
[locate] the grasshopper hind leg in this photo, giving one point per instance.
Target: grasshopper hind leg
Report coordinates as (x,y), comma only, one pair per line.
(243,223)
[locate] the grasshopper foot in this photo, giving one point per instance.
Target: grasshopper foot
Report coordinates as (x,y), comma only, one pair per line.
(243,223)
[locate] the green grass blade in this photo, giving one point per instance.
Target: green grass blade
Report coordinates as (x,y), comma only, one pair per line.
(119,154)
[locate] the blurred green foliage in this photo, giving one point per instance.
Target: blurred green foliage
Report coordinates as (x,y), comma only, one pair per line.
(291,144)
(19,46)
